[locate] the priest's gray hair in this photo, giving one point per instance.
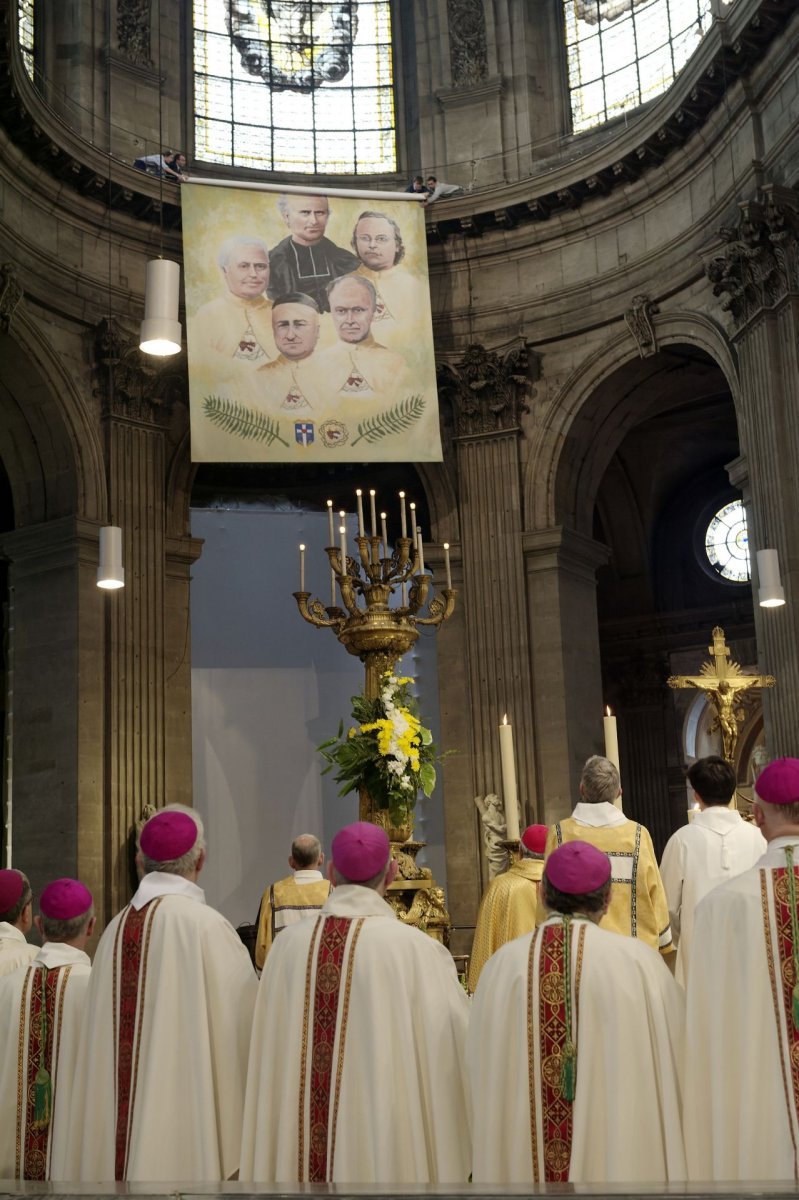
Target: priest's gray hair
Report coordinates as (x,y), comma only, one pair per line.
(225,252)
(588,903)
(306,851)
(373,883)
(188,861)
(525,853)
(599,782)
(67,930)
(14,914)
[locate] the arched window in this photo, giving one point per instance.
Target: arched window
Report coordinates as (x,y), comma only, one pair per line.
(303,86)
(622,53)
(25,29)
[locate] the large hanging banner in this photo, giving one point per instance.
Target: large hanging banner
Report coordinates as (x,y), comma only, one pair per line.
(309,326)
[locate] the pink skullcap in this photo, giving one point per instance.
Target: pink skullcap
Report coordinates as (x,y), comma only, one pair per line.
(534,838)
(11,887)
(360,851)
(167,836)
(577,868)
(64,899)
(778,783)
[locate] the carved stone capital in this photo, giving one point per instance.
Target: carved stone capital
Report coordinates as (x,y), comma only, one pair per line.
(757,264)
(488,388)
(133,31)
(641,326)
(10,294)
(133,386)
(467,42)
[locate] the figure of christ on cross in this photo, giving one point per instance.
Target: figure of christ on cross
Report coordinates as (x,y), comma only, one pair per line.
(723,682)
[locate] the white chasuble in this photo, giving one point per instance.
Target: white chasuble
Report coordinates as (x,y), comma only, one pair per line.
(43,1004)
(14,948)
(626,1023)
(356,1064)
(742,1059)
(160,1082)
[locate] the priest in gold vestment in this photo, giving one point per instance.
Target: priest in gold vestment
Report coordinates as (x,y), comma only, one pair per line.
(638,904)
(299,895)
(510,902)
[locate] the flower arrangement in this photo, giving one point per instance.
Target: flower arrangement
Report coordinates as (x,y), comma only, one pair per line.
(389,754)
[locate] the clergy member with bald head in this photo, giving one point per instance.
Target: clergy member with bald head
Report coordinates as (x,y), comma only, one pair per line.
(299,895)
(509,904)
(16,920)
(575,1046)
(43,1005)
(742,1060)
(160,1079)
(356,1063)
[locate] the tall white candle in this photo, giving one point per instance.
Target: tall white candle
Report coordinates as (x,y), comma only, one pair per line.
(332,588)
(612,744)
(343,533)
(385,533)
(373,511)
(420,549)
(447,567)
(359,495)
(332,540)
(509,797)
(302,567)
(403,524)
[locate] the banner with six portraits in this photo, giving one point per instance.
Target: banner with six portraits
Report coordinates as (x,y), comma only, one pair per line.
(309,326)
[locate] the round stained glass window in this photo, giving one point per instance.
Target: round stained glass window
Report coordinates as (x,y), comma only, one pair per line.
(727,543)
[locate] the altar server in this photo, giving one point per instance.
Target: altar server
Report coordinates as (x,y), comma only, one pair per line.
(160,1079)
(42,1006)
(16,920)
(577,1082)
(356,1063)
(508,908)
(742,1061)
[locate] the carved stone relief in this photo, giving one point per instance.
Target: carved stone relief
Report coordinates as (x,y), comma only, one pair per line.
(487,388)
(467,42)
(10,294)
(758,263)
(641,326)
(134,385)
(133,31)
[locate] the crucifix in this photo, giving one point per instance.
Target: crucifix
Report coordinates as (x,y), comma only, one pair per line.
(724,683)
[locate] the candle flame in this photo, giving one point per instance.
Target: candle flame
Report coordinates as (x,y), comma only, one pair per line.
(446,545)
(607,711)
(330,504)
(358,492)
(505,719)
(383,516)
(341,529)
(342,514)
(402,495)
(302,545)
(372,492)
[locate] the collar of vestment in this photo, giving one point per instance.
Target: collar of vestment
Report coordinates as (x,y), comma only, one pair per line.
(350,900)
(775,854)
(246,302)
(11,932)
(365,344)
(556,916)
(598,815)
(530,868)
(161,883)
(59,954)
(718,819)
(310,876)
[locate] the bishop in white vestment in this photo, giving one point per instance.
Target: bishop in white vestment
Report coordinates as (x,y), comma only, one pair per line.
(356,1063)
(742,1051)
(159,1085)
(16,919)
(575,1045)
(42,1003)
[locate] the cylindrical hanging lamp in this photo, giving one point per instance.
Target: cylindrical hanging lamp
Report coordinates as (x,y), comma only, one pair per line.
(770,593)
(110,572)
(160,330)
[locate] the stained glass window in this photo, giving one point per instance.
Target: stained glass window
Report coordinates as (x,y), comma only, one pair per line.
(727,543)
(25,27)
(621,53)
(304,86)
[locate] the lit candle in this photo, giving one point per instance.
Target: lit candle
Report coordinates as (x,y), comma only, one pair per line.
(373,513)
(385,533)
(343,532)
(446,566)
(420,549)
(403,525)
(359,495)
(612,744)
(412,547)
(302,567)
(509,798)
(332,540)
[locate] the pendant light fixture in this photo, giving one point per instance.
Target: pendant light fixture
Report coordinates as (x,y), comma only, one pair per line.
(110,572)
(770,593)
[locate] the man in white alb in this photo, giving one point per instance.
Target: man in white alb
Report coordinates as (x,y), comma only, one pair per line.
(16,920)
(356,1063)
(43,1005)
(742,1047)
(160,1078)
(716,846)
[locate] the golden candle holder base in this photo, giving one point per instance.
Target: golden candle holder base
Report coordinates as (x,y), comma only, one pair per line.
(414,895)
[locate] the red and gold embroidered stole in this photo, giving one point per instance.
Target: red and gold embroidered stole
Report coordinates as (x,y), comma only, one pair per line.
(779,952)
(32,1144)
(550,1114)
(130,977)
(330,984)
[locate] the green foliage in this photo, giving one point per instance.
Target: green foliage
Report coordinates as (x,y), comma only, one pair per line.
(395,420)
(234,417)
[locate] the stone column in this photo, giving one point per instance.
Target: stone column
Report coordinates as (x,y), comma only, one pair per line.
(756,273)
(137,412)
(567,682)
